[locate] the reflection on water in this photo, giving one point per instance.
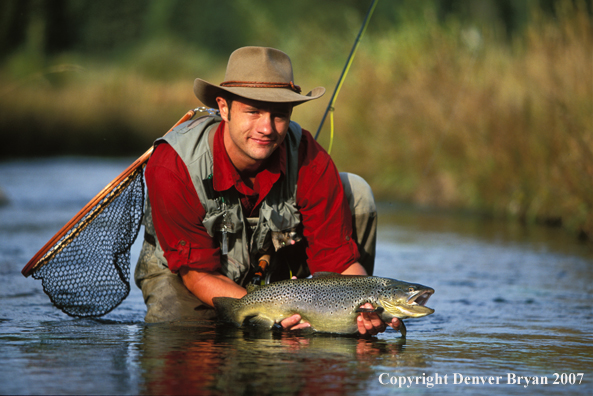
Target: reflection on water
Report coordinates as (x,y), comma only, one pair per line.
(185,358)
(510,302)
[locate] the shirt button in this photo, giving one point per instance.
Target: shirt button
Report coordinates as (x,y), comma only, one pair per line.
(347,238)
(182,243)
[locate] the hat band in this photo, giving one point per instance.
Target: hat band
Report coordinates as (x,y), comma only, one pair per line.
(255,84)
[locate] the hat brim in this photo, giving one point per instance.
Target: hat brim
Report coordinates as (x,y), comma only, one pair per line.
(207,94)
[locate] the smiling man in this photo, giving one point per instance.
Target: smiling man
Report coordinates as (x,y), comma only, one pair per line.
(226,192)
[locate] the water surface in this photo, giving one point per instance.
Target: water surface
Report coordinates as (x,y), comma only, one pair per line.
(510,302)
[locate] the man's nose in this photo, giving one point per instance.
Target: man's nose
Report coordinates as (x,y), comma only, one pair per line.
(265,123)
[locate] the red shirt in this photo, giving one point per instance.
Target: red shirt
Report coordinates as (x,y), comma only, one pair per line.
(177,212)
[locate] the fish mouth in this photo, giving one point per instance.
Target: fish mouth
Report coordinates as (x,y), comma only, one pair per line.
(420,297)
(412,307)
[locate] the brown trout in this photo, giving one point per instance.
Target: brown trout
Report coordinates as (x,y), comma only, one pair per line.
(329,302)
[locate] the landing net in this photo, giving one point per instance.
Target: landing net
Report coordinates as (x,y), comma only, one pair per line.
(85,267)
(87,272)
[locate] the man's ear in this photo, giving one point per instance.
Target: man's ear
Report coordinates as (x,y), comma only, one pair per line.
(223,108)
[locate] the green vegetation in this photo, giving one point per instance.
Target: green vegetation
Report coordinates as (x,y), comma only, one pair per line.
(447,104)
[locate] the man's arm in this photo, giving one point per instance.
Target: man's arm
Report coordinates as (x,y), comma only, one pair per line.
(177,213)
(208,284)
(324,209)
(355,269)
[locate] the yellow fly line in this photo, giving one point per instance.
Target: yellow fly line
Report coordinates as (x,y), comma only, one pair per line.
(330,108)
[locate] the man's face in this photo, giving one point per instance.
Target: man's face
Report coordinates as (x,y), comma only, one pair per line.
(253,130)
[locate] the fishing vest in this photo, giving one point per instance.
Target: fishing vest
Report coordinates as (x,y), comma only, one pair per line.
(242,240)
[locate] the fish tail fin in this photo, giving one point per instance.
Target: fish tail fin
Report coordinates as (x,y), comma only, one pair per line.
(227,309)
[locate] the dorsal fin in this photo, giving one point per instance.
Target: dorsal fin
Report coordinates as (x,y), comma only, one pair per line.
(326,274)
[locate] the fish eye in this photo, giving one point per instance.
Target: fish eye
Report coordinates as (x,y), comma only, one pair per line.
(411,289)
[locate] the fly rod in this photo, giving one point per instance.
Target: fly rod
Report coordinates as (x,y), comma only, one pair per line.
(330,106)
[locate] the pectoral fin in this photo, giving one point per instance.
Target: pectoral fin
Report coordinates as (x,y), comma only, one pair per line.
(261,322)
(378,310)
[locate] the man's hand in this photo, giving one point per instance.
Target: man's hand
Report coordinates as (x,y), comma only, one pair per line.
(370,324)
(292,323)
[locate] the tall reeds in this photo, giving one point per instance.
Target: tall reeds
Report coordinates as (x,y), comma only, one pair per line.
(457,117)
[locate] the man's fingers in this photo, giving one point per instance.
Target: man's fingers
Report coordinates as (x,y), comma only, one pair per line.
(300,326)
(290,321)
(376,321)
(360,323)
(293,323)
(395,323)
(370,323)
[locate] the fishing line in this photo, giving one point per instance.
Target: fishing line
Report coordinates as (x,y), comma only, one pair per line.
(330,107)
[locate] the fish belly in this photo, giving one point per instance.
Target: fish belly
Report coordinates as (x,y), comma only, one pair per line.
(340,326)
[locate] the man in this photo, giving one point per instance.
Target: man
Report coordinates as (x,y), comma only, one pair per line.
(225,192)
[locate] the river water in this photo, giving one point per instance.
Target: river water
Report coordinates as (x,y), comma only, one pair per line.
(513,313)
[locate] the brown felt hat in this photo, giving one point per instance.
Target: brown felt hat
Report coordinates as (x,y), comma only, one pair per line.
(256,73)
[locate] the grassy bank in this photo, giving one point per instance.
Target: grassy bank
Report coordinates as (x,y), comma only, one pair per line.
(505,129)
(436,114)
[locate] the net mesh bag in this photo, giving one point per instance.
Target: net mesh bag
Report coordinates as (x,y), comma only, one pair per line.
(87,272)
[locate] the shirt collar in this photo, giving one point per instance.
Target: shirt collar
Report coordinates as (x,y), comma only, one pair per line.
(225,174)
